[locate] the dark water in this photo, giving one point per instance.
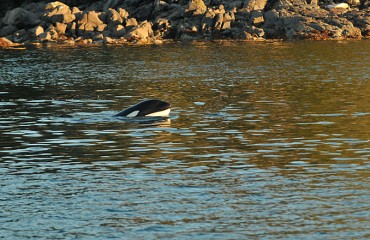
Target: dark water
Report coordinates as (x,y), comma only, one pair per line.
(265,141)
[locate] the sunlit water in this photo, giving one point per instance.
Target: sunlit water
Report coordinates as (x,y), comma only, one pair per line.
(265,141)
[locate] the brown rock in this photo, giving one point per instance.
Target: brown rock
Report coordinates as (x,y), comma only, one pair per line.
(101,27)
(143,31)
(52,5)
(91,18)
(4,42)
(61,28)
(113,17)
(254,5)
(123,13)
(61,14)
(131,22)
(36,31)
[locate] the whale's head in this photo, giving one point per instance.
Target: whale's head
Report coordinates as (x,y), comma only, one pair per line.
(147,108)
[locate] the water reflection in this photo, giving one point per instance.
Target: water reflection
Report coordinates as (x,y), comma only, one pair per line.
(265,140)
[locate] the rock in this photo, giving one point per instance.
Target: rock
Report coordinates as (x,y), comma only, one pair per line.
(72,29)
(4,42)
(218,21)
(101,27)
(85,30)
(131,22)
(8,30)
(207,22)
(35,32)
(110,4)
(108,40)
(61,14)
(21,18)
(254,5)
(144,11)
(186,38)
(142,32)
(196,7)
(46,36)
(61,28)
(91,18)
(123,13)
(75,11)
(228,18)
(257,18)
(20,36)
(98,37)
(53,5)
(118,31)
(161,24)
(113,18)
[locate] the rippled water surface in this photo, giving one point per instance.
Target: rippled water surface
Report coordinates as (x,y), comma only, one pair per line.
(264,141)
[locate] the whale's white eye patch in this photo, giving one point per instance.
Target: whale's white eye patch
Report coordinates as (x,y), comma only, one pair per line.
(133,114)
(164,113)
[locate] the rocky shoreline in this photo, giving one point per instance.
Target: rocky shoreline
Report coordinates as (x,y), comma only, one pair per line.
(155,21)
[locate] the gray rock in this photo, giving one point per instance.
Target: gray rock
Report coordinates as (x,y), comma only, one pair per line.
(257,18)
(110,4)
(20,36)
(21,18)
(8,30)
(45,36)
(208,19)
(118,31)
(72,29)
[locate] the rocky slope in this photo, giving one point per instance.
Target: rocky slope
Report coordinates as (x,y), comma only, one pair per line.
(152,21)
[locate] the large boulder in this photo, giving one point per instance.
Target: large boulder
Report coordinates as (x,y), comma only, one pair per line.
(20,18)
(196,8)
(142,32)
(90,17)
(113,18)
(61,14)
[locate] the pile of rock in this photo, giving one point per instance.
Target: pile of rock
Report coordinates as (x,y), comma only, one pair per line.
(151,21)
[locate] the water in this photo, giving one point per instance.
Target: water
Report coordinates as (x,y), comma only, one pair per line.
(265,141)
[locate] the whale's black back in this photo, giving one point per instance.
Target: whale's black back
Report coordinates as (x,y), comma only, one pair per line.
(144,108)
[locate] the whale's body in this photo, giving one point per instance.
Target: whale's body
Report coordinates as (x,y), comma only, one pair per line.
(147,108)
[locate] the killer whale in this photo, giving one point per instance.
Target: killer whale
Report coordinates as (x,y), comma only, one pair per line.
(147,108)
